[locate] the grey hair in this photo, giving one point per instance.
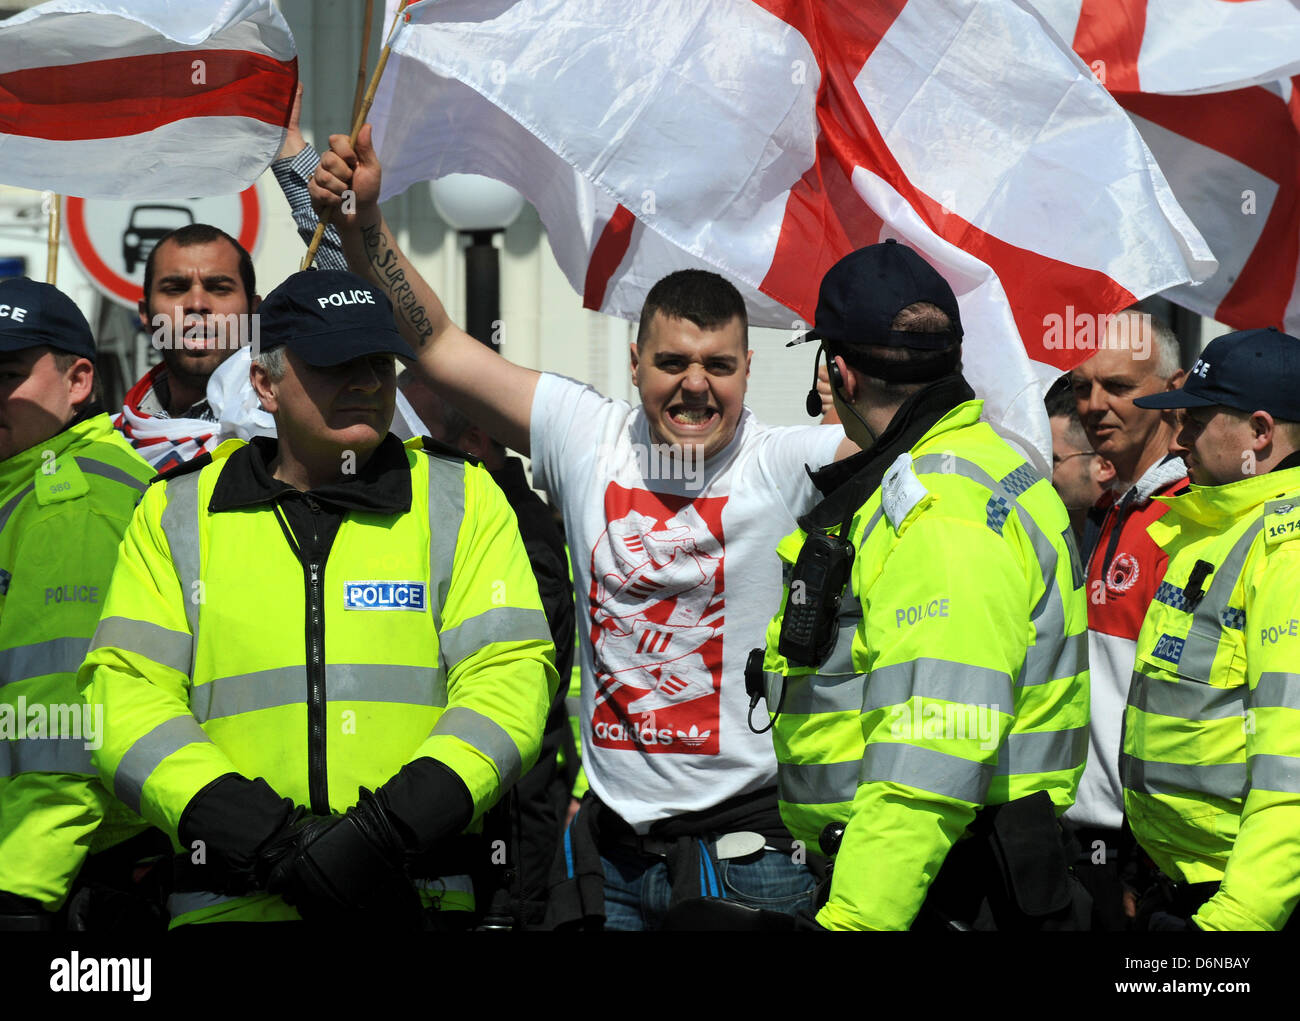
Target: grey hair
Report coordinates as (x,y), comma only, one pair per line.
(1169,357)
(273,361)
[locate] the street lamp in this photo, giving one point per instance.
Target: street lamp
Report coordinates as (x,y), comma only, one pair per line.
(478,207)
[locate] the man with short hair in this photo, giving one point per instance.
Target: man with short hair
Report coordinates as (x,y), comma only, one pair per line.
(199,292)
(1124,574)
(322,655)
(1211,756)
(930,719)
(68,485)
(1079,474)
(671,511)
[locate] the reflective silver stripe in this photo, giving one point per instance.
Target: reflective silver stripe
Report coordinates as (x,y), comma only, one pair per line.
(344,682)
(446,511)
(840,659)
(180,523)
(1275,773)
(938,678)
(143,757)
(1227,780)
(1046,659)
(108,471)
(183,903)
(1048,752)
(927,770)
(55,656)
(159,644)
(7,510)
(45,755)
(487,736)
(806,694)
(818,783)
(1276,689)
(499,624)
(1208,619)
(1185,700)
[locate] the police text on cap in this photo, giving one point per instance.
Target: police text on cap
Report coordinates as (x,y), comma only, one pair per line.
(14,312)
(352,297)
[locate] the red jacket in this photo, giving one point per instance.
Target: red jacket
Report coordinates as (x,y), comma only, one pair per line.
(1124,571)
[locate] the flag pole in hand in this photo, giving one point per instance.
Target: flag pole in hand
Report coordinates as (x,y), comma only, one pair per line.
(52,240)
(368,17)
(359,118)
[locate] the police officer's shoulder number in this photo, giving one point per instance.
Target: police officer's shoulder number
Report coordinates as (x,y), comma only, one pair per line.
(445,450)
(1281,520)
(58,479)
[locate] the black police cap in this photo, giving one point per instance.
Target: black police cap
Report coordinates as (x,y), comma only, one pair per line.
(1249,370)
(34,314)
(327,317)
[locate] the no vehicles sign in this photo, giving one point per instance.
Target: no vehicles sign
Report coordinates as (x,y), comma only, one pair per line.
(111,238)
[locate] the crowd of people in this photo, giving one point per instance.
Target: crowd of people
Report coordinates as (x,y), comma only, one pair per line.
(873,675)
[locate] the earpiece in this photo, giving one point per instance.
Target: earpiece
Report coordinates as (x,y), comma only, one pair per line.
(833,370)
(813,403)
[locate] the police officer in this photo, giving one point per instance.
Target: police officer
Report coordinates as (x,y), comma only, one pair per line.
(322,656)
(1211,751)
(934,701)
(68,485)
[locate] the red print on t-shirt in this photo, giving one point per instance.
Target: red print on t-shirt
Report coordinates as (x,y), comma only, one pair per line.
(656,617)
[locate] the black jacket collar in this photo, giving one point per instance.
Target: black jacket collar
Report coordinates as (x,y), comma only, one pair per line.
(382,486)
(848,483)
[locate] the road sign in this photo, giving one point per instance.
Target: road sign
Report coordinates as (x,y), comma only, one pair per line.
(111,238)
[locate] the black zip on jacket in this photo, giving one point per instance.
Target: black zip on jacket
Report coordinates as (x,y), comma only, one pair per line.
(310,521)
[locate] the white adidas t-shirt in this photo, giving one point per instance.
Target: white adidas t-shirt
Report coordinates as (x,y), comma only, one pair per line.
(675,565)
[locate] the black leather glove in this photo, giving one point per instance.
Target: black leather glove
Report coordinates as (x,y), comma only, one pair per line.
(231,833)
(349,868)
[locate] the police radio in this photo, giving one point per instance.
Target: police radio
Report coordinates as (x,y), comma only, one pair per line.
(817,583)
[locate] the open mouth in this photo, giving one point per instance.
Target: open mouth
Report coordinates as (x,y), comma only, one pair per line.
(692,418)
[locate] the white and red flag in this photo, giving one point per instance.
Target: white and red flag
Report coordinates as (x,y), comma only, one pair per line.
(766,139)
(1233,160)
(1180,46)
(152,99)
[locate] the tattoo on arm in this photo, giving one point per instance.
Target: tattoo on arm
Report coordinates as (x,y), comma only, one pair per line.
(383,260)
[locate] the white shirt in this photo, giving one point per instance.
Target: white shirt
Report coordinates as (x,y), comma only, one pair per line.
(676,576)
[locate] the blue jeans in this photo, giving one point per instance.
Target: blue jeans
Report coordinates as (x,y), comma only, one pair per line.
(637,890)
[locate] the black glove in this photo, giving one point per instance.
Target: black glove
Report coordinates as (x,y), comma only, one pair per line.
(349,868)
(232,833)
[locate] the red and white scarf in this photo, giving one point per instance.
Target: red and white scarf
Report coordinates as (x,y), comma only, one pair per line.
(163,442)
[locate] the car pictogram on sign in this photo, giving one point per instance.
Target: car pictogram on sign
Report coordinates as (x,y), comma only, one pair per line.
(148,225)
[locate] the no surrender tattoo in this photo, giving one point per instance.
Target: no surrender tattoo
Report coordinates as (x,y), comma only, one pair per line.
(384,259)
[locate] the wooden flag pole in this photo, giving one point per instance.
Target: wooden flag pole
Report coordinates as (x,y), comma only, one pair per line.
(365,56)
(52,241)
(357,121)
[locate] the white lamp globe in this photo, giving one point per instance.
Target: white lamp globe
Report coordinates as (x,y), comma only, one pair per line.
(470,202)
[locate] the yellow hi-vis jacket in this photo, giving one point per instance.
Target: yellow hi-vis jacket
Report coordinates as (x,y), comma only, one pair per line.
(958,677)
(1211,759)
(64,505)
(422,634)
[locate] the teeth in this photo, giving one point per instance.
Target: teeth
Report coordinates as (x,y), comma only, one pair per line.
(692,415)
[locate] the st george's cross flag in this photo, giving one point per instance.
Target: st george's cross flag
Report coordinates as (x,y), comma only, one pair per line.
(152,99)
(766,139)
